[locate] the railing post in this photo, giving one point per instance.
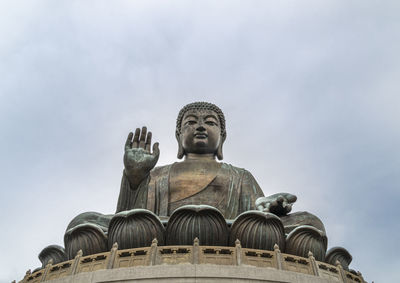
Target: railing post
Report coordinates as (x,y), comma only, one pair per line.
(112,256)
(196,251)
(362,278)
(278,257)
(46,270)
(75,264)
(341,272)
(238,248)
(153,252)
(313,263)
(27,274)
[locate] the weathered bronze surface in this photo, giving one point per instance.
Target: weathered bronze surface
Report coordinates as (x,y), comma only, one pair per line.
(258,230)
(197,221)
(52,253)
(339,254)
(199,178)
(89,238)
(101,220)
(296,219)
(305,239)
(135,228)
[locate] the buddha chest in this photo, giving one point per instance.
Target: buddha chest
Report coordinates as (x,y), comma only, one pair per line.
(197,183)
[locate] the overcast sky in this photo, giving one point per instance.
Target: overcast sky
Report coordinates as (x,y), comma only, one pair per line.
(310,90)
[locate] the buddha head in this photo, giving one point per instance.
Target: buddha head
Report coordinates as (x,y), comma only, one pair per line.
(200,129)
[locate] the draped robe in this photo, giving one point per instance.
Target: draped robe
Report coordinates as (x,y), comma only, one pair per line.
(232,191)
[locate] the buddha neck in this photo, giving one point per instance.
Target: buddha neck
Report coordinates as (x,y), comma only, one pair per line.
(199,157)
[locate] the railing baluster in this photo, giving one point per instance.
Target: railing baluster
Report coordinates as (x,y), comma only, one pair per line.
(112,256)
(46,270)
(314,266)
(75,264)
(278,257)
(238,248)
(196,253)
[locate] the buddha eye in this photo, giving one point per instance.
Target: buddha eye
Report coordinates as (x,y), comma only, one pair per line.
(211,123)
(190,122)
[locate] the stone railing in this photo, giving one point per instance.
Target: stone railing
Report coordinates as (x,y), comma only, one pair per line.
(195,254)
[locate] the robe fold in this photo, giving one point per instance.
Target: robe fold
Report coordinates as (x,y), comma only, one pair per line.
(233,191)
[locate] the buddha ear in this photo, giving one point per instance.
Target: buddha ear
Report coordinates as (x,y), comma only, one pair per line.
(220,155)
(181,151)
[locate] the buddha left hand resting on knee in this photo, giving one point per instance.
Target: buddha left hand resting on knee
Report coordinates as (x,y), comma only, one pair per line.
(279,204)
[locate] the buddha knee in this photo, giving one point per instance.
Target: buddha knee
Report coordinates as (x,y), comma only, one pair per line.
(87,232)
(294,220)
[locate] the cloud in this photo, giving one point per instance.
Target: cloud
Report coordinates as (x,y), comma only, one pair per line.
(309,90)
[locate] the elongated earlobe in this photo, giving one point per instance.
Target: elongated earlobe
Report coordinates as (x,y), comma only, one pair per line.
(181,151)
(220,155)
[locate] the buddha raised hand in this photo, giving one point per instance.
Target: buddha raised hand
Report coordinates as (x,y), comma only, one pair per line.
(138,160)
(199,178)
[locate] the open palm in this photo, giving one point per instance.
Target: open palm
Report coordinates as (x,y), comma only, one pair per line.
(138,159)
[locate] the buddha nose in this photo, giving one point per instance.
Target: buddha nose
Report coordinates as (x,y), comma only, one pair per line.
(200,128)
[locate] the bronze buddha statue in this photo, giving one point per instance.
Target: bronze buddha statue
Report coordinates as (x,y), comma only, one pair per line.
(198,180)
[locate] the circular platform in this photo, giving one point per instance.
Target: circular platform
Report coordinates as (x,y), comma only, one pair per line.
(193,273)
(193,263)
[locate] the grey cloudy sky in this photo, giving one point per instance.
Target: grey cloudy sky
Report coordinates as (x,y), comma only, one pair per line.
(310,90)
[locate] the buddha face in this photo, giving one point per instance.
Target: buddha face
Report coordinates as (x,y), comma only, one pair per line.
(200,132)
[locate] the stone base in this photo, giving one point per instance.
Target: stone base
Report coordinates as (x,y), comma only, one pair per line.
(184,273)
